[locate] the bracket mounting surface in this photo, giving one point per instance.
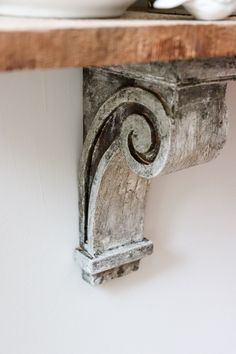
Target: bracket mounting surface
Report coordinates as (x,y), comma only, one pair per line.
(141,121)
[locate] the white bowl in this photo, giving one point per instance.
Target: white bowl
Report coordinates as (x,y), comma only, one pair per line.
(65,8)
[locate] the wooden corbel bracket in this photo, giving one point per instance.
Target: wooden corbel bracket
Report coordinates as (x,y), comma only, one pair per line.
(140,121)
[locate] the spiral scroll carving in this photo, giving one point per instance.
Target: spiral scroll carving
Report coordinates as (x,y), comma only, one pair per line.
(133,135)
(132,122)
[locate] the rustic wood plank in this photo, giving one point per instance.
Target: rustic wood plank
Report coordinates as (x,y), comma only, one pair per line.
(138,37)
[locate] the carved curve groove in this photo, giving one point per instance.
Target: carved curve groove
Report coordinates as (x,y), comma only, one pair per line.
(128,141)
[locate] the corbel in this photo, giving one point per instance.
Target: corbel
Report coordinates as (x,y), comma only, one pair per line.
(141,121)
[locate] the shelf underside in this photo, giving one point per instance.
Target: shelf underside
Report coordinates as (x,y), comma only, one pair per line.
(137,37)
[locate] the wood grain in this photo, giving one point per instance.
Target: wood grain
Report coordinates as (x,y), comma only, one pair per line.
(140,121)
(136,38)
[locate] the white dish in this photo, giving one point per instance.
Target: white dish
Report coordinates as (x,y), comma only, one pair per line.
(202,9)
(65,8)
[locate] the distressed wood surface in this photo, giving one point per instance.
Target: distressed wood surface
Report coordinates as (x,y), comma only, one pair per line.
(138,37)
(141,121)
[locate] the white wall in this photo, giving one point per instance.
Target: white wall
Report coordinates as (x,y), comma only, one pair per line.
(183,299)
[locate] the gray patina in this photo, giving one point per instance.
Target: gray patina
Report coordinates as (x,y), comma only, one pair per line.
(141,121)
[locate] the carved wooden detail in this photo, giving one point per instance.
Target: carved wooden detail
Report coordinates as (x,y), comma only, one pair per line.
(140,121)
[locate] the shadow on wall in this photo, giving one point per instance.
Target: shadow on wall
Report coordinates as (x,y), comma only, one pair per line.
(40,142)
(187,212)
(182,300)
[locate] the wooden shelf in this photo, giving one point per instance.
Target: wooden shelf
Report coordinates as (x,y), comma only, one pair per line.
(138,37)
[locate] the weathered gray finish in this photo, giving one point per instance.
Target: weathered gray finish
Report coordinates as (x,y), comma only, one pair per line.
(140,121)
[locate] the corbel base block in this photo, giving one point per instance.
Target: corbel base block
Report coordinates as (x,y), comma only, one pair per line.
(113,263)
